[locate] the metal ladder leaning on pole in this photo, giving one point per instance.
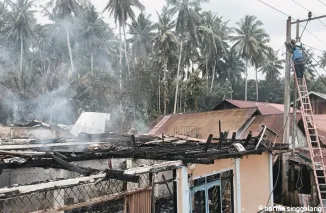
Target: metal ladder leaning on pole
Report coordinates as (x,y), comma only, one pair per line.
(316,155)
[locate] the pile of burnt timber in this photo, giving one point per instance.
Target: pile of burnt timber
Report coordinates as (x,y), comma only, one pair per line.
(188,150)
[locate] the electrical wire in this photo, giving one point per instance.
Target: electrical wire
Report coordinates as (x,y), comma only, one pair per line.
(304,52)
(293,18)
(315,37)
(304,29)
(299,180)
(314,59)
(274,8)
(313,48)
(309,11)
(322,2)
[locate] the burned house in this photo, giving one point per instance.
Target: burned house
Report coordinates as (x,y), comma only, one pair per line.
(45,168)
(216,175)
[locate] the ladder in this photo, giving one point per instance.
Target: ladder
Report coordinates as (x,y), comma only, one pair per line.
(316,155)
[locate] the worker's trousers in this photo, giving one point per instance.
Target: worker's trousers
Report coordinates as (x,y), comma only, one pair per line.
(299,67)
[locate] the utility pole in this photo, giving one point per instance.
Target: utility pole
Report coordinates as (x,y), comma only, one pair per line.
(294,113)
(286,134)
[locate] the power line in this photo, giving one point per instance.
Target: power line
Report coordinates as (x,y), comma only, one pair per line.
(274,8)
(315,36)
(314,67)
(294,18)
(313,48)
(309,11)
(322,3)
(311,56)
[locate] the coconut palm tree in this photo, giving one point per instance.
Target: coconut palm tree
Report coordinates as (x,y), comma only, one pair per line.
(64,9)
(258,60)
(122,10)
(231,67)
(19,26)
(188,18)
(309,64)
(248,39)
(271,66)
(213,35)
(142,36)
(322,60)
(165,47)
(92,31)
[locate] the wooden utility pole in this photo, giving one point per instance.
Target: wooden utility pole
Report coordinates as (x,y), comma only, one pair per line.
(286,134)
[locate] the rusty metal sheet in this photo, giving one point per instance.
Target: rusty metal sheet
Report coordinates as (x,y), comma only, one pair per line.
(139,202)
(263,107)
(208,122)
(320,121)
(274,122)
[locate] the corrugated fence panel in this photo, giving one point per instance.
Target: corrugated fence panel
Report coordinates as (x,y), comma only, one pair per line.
(139,202)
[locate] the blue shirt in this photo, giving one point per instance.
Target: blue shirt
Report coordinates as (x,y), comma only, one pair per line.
(297,53)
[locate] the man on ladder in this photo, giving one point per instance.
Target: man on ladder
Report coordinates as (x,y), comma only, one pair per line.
(297,58)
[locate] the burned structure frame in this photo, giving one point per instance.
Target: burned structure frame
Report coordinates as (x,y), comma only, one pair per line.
(175,151)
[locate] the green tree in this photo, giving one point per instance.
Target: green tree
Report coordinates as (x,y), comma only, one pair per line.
(19,26)
(195,87)
(142,36)
(322,60)
(231,68)
(271,66)
(165,47)
(213,34)
(92,31)
(122,10)
(64,9)
(248,38)
(188,18)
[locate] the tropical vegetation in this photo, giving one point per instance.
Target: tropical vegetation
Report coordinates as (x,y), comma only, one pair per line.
(187,61)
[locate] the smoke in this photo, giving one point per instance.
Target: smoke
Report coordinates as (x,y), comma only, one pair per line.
(52,94)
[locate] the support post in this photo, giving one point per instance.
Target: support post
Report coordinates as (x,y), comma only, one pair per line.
(238,185)
(271,185)
(183,190)
(286,111)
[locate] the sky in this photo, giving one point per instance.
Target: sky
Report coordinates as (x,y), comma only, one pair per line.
(274,21)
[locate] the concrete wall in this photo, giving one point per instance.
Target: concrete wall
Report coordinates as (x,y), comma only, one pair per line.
(255,180)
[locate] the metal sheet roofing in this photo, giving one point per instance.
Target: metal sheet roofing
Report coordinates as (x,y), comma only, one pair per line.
(263,107)
(205,123)
(321,95)
(320,121)
(274,122)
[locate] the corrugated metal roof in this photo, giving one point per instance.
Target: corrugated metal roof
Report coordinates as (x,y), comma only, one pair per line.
(263,107)
(321,95)
(205,123)
(320,121)
(274,122)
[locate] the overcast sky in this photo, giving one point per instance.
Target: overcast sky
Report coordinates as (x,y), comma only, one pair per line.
(274,22)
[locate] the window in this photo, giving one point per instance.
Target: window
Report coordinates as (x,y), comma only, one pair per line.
(212,194)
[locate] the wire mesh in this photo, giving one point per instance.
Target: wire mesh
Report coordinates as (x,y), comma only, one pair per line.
(69,196)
